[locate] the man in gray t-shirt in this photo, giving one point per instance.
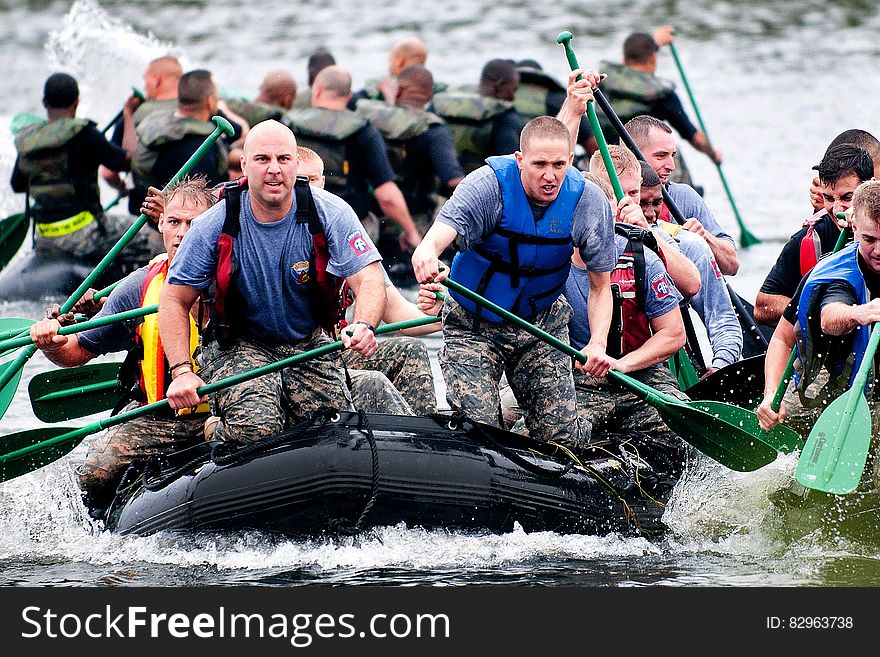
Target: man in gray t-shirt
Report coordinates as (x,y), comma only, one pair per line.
(277,312)
(531,207)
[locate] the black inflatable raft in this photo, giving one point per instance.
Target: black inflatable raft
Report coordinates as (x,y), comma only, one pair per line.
(345,472)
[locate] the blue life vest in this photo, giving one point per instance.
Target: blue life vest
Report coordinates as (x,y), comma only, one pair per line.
(522,265)
(842,266)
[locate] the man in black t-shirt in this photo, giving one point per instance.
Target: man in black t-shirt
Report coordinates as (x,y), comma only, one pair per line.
(355,160)
(831,312)
(57,166)
(841,170)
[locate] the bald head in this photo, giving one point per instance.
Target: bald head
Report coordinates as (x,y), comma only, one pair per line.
(278,88)
(161,77)
(407,51)
(332,86)
(415,86)
(267,132)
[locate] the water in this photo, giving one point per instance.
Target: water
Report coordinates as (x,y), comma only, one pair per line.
(776,81)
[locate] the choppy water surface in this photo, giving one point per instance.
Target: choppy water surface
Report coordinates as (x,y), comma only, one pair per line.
(775,80)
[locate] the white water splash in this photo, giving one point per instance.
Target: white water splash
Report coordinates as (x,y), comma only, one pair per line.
(105,55)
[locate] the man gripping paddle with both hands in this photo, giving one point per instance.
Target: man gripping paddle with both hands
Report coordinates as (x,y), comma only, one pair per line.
(271,259)
(515,222)
(109,455)
(830,313)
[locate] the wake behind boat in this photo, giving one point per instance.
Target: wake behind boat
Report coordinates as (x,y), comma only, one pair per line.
(344,472)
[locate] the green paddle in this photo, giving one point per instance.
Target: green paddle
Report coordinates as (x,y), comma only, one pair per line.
(723,432)
(116,119)
(746,239)
(21,341)
(8,372)
(834,456)
(26,451)
(68,393)
(25,324)
(14,230)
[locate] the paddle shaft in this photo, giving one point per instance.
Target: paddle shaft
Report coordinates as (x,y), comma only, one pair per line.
(747,238)
(222,126)
(76,434)
(9,225)
(856,392)
(116,119)
(565,40)
(21,341)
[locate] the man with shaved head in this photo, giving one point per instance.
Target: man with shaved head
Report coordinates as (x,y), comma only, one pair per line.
(485,122)
(406,52)
(420,145)
(269,259)
(515,222)
(160,93)
(354,156)
(276,95)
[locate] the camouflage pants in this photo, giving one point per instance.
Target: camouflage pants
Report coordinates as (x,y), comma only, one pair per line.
(93,241)
(110,454)
(606,406)
(405,361)
(263,406)
(372,392)
(473,359)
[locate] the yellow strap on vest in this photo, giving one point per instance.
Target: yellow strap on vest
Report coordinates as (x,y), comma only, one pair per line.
(672,229)
(149,331)
(65,226)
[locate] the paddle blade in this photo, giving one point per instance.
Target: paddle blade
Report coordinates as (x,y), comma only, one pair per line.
(13,233)
(11,327)
(7,392)
(722,432)
(834,456)
(12,466)
(746,239)
(66,394)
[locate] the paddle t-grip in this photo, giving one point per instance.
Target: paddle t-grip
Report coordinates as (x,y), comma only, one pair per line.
(564,39)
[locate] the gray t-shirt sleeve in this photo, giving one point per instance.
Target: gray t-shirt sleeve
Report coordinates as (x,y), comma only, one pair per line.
(351,249)
(661,295)
(593,229)
(692,204)
(118,336)
(474,208)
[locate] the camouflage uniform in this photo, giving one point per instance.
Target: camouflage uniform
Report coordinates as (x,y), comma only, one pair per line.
(293,393)
(405,362)
(109,455)
(606,406)
(371,391)
(476,352)
(255,113)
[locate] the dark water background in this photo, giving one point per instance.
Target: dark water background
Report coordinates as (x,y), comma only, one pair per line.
(776,81)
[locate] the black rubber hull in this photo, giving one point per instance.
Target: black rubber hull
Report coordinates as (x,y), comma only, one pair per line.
(34,277)
(338,477)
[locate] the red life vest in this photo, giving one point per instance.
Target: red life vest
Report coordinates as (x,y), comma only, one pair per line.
(329,296)
(811,245)
(630,328)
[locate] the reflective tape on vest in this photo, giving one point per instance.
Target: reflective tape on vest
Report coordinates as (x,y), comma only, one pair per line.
(65,226)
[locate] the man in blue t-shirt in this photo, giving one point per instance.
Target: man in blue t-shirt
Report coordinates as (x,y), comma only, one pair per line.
(536,206)
(276,314)
(653,313)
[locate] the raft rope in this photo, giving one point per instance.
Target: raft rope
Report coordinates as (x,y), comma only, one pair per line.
(365,428)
